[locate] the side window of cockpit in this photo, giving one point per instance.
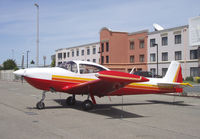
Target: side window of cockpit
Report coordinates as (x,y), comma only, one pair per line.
(74,68)
(85,69)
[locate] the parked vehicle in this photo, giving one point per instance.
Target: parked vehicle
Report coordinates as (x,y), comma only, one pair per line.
(147,74)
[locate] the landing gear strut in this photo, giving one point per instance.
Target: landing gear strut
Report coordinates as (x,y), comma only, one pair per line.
(71,100)
(40,105)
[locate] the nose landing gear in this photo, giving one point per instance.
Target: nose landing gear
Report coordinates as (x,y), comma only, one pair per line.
(40,105)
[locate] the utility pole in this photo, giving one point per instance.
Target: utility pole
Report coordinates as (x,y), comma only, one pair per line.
(37,40)
(27,58)
(44,58)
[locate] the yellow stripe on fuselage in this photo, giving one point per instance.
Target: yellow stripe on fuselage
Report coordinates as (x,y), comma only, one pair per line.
(131,85)
(74,78)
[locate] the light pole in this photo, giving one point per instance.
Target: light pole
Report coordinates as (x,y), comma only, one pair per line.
(37,40)
(156,55)
(27,58)
(44,58)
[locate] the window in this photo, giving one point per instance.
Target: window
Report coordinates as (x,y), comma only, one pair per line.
(85,69)
(141,58)
(82,52)
(107,46)
(131,45)
(77,53)
(68,54)
(193,54)
(194,71)
(178,55)
(72,53)
(165,56)
(94,60)
(164,41)
(141,43)
(64,55)
(59,55)
(88,51)
(71,66)
(152,57)
(88,60)
(102,47)
(153,71)
(164,71)
(177,39)
(131,59)
(107,59)
(102,59)
(152,42)
(94,50)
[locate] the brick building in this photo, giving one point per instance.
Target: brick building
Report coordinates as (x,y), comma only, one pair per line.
(122,51)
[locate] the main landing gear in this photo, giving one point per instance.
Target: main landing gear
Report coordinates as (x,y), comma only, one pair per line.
(86,105)
(71,100)
(40,105)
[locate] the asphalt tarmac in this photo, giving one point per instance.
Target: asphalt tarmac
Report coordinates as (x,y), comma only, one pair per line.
(138,116)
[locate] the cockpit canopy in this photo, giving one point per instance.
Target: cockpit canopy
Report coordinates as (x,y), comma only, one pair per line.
(82,67)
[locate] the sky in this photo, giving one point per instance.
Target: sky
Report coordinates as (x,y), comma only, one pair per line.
(68,23)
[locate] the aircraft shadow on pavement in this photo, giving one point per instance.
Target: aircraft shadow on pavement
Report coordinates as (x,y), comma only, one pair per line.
(177,103)
(102,109)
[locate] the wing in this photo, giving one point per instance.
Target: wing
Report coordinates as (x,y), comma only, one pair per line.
(107,82)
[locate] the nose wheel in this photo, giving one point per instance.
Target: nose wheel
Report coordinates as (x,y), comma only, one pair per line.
(40,105)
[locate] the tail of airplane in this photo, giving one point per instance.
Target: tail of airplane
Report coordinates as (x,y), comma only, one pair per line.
(174,76)
(174,73)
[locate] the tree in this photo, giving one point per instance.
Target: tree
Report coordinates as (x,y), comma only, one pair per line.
(32,62)
(53,63)
(9,64)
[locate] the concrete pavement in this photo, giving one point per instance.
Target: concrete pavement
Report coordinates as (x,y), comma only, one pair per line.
(140,116)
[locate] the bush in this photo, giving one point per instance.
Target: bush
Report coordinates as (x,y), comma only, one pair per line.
(197,79)
(189,78)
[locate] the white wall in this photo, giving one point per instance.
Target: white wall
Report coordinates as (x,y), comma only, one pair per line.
(186,63)
(84,57)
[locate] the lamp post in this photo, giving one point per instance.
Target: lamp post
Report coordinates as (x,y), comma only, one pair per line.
(44,58)
(27,58)
(37,40)
(156,55)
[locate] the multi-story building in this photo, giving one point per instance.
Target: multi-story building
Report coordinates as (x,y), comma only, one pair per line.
(122,51)
(86,52)
(172,45)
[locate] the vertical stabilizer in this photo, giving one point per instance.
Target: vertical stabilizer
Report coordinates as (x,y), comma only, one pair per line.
(174,73)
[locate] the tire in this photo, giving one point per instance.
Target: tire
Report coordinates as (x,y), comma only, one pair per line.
(87,105)
(40,105)
(70,101)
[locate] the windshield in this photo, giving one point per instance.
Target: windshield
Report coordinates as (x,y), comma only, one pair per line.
(84,69)
(71,66)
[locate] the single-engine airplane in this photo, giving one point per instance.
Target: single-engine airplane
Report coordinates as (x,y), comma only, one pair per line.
(81,77)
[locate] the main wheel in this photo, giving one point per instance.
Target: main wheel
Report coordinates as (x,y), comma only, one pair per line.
(87,105)
(70,101)
(40,105)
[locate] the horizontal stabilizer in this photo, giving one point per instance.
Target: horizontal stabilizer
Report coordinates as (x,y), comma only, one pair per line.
(176,84)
